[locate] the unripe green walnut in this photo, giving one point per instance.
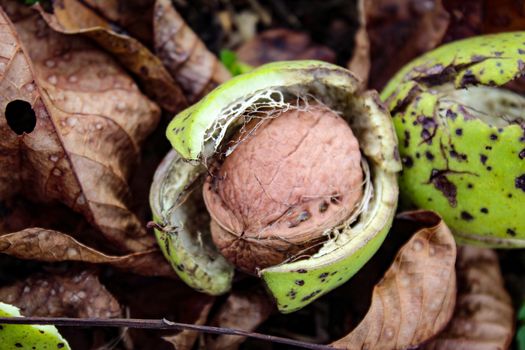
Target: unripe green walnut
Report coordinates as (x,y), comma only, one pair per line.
(462,137)
(202,134)
(290,178)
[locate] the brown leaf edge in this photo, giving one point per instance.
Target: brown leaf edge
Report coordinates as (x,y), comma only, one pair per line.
(186,57)
(72,17)
(134,16)
(484,317)
(53,246)
(415,299)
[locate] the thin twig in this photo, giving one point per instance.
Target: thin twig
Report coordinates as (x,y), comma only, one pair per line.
(155,324)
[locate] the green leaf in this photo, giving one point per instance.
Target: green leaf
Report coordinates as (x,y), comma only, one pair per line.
(520,338)
(232,63)
(521,312)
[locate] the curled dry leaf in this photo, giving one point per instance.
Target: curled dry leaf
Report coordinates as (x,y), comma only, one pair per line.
(54,295)
(134,16)
(74,122)
(73,17)
(280,45)
(415,298)
(483,317)
(400,30)
(244,309)
(195,68)
(53,246)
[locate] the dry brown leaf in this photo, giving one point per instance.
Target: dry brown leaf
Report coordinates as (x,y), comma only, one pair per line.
(186,339)
(73,17)
(135,16)
(280,45)
(400,30)
(244,309)
(474,17)
(186,57)
(89,120)
(157,298)
(466,17)
(18,213)
(415,298)
(360,61)
(53,246)
(483,318)
(69,295)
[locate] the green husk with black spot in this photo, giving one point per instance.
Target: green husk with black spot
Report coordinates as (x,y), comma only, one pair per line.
(462,137)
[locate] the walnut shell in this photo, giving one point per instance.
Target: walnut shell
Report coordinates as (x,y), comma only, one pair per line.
(289,179)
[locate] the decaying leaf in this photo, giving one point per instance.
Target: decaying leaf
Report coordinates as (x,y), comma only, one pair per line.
(68,295)
(73,17)
(244,309)
(400,30)
(483,317)
(195,68)
(474,17)
(360,61)
(280,45)
(53,246)
(135,16)
(157,298)
(18,213)
(415,298)
(73,125)
(466,17)
(186,339)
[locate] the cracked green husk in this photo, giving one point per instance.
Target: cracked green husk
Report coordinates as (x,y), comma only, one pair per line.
(462,137)
(195,135)
(34,337)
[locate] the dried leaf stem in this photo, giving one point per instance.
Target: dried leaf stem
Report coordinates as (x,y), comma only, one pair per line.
(155,324)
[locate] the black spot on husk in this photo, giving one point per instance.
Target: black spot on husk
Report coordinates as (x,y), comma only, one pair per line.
(483,158)
(408,162)
(406,142)
(444,185)
(520,182)
(465,215)
(311,295)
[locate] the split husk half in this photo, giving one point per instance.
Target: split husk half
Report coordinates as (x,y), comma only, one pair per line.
(200,132)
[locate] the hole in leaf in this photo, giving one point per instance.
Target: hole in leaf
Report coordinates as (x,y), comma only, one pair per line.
(20,117)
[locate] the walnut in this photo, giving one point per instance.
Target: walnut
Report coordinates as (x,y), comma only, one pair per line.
(288,180)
